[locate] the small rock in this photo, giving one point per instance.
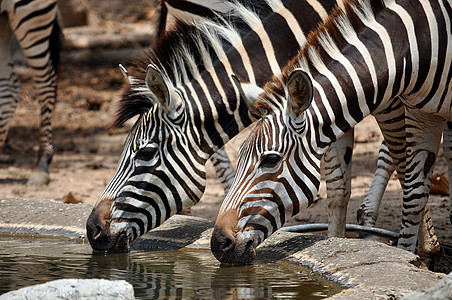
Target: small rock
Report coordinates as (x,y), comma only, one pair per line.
(95,165)
(69,198)
(440,185)
(80,289)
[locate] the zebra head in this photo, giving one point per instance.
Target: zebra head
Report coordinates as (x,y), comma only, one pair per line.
(150,183)
(277,174)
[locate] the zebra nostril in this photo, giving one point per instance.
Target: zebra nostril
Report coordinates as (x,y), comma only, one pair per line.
(250,243)
(227,244)
(222,244)
(98,224)
(97,232)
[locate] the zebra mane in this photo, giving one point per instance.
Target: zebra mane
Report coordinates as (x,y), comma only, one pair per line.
(183,53)
(321,41)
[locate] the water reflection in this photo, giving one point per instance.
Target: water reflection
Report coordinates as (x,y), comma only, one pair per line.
(186,274)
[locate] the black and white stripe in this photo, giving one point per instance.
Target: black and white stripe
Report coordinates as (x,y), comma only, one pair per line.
(365,58)
(35,25)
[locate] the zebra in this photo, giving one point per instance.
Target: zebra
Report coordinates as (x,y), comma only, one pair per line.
(332,84)
(187,113)
(36,27)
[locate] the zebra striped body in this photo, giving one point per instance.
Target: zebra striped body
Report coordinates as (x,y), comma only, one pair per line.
(36,28)
(190,107)
(366,57)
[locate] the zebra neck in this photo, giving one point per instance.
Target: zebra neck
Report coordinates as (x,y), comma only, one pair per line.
(254,54)
(214,125)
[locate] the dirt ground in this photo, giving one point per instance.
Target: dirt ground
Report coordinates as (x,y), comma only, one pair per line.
(86,153)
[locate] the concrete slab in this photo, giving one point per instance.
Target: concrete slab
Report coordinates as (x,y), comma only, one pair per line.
(442,290)
(371,269)
(46,217)
(367,269)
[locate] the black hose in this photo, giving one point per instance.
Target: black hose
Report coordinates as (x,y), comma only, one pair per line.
(447,250)
(349,227)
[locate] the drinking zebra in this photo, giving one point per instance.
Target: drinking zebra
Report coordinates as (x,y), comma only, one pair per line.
(189,107)
(364,58)
(36,28)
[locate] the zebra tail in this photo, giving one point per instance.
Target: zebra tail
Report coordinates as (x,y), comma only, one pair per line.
(56,42)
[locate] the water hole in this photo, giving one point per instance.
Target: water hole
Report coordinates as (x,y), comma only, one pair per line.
(175,274)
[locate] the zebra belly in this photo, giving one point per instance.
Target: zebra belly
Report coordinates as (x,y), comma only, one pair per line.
(440,106)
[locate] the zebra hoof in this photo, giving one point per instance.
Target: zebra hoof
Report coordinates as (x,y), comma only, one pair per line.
(38,178)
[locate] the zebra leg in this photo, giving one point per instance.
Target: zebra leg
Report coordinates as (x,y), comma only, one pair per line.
(423,135)
(390,118)
(367,214)
(9,88)
(447,150)
(224,169)
(338,182)
(33,35)
(391,156)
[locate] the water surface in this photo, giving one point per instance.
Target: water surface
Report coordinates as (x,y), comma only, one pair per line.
(177,274)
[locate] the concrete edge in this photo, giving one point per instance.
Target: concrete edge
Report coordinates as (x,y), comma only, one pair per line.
(44,230)
(367,269)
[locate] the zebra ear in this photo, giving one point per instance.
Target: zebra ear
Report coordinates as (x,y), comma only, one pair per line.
(250,92)
(156,83)
(125,73)
(299,92)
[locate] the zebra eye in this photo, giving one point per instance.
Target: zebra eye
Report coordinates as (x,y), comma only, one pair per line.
(146,153)
(270,160)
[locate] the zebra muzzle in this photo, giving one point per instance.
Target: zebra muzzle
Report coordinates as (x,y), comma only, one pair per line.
(232,249)
(102,235)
